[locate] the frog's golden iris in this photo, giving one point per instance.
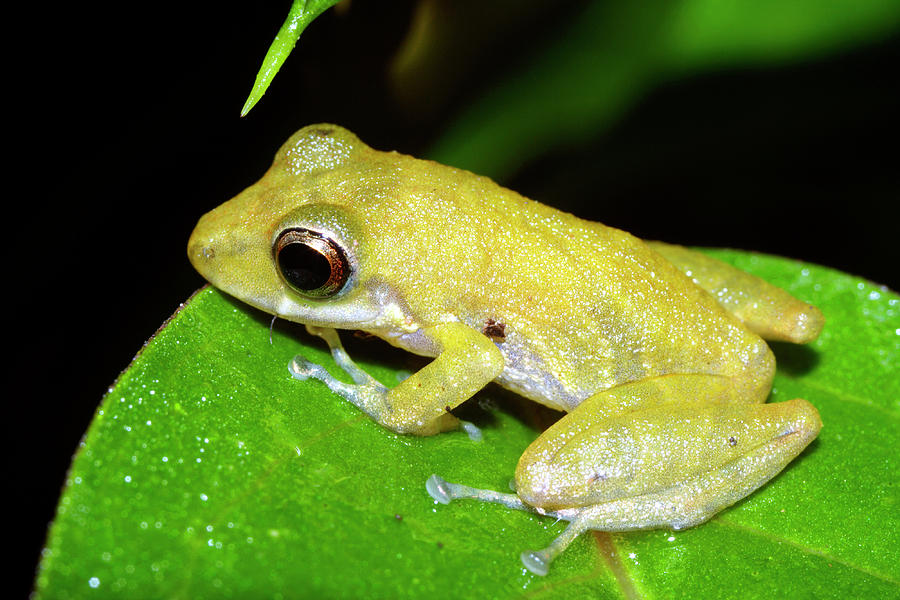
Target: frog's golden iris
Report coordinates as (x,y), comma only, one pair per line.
(655,351)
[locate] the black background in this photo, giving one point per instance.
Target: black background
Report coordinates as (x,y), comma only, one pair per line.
(124,126)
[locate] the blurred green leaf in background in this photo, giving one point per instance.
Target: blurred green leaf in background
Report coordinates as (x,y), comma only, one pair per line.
(611,53)
(604,57)
(209,472)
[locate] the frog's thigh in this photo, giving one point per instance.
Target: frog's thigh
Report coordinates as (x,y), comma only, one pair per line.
(661,463)
(765,309)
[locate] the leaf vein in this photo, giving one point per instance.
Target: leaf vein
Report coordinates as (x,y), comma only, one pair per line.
(804,548)
(848,397)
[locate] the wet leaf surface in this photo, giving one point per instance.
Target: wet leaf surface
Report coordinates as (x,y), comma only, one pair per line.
(209,472)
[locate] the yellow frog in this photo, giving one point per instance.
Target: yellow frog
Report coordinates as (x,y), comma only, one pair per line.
(653,350)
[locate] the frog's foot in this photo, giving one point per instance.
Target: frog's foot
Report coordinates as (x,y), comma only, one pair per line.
(302,369)
(341,357)
(536,561)
(365,393)
(444,492)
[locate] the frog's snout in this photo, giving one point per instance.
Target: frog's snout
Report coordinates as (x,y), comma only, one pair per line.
(233,261)
(201,251)
(207,247)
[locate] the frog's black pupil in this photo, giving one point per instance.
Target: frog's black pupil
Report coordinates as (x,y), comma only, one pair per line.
(303,266)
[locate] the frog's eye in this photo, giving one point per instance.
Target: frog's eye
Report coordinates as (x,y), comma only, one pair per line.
(311,263)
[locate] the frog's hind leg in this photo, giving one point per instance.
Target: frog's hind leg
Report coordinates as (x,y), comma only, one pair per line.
(665,452)
(644,436)
(765,309)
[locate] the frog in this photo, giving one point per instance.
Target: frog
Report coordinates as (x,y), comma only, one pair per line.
(654,353)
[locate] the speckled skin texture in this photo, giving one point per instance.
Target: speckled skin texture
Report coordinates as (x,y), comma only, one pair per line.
(654,350)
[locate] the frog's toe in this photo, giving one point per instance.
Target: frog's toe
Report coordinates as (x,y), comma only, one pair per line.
(439,489)
(472,430)
(536,561)
(301,369)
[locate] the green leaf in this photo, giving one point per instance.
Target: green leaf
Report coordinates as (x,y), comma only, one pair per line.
(209,472)
(614,52)
(301,14)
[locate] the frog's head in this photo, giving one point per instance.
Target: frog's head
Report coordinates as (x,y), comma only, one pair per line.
(293,244)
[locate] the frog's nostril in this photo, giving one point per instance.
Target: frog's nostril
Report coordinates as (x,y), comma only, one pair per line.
(201,253)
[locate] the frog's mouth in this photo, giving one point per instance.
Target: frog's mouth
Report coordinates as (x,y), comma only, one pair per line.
(341,314)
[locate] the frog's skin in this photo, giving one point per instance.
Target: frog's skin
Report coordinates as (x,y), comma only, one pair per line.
(653,350)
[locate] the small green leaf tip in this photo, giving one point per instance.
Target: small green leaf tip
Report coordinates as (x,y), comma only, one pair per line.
(301,14)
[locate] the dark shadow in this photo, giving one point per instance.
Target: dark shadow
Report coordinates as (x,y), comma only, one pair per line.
(810,449)
(533,414)
(793,359)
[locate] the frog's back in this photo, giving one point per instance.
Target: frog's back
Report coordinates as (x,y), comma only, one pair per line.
(599,308)
(574,306)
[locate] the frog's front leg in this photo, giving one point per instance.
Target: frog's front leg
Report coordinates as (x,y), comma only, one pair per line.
(666,452)
(466,362)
